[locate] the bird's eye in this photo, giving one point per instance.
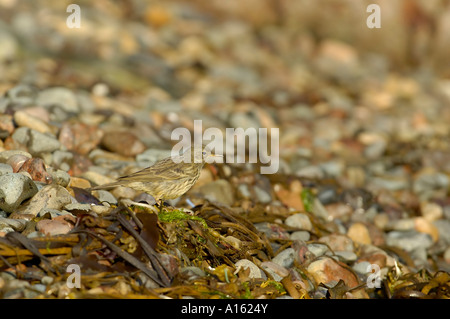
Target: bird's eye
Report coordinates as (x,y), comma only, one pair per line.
(204,153)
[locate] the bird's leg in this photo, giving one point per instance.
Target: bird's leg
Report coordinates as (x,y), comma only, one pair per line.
(161,205)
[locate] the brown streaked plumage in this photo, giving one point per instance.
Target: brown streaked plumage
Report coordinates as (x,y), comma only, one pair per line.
(168,178)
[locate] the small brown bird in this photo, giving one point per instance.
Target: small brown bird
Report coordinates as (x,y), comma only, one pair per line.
(168,178)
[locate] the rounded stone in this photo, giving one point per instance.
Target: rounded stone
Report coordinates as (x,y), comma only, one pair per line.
(14,189)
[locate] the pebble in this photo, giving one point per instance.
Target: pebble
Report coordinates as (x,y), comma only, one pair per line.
(431,211)
(95,178)
(23,118)
(218,191)
(285,258)
(300,235)
(262,196)
(423,225)
(49,197)
(59,177)
(5,168)
(359,233)
(80,137)
(6,125)
(16,224)
(123,142)
(361,267)
(42,143)
(426,182)
(51,227)
(443,227)
(14,189)
(346,256)
(277,271)
(328,271)
(300,221)
(447,255)
(61,97)
(36,168)
(337,242)
(255,272)
(6,155)
(106,197)
(79,182)
(318,249)
(272,231)
(408,240)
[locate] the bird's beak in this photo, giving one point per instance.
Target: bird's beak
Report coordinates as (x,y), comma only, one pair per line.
(214,156)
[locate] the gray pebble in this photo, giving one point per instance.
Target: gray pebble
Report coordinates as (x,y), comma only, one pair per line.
(58,96)
(5,168)
(243,191)
(318,249)
(21,135)
(60,177)
(300,221)
(275,270)
(14,189)
(285,258)
(346,256)
(219,191)
(16,224)
(262,195)
(50,197)
(301,235)
(443,227)
(42,143)
(408,240)
(7,154)
(361,267)
(105,196)
(22,94)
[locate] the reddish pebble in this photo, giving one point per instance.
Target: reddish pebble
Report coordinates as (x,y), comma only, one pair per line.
(53,227)
(80,137)
(36,168)
(122,142)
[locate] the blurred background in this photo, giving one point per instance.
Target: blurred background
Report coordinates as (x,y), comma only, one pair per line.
(363,114)
(341,93)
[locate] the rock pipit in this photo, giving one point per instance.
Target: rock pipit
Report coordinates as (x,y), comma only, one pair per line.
(168,178)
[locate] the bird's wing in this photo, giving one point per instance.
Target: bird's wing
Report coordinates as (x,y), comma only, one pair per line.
(165,169)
